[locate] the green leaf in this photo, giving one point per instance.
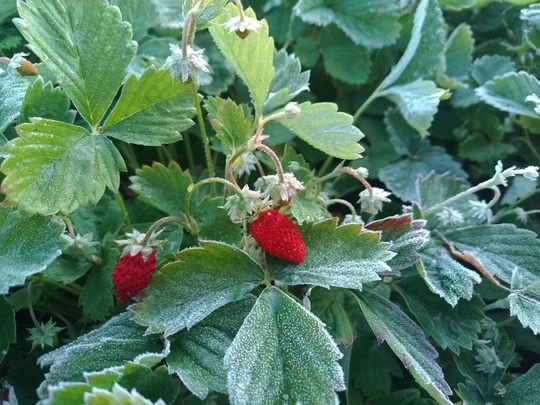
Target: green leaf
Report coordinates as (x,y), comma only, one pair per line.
(141,14)
(373,24)
(509,93)
(57,167)
(423,55)
(527,310)
(408,342)
(326,129)
(100,219)
(152,110)
(288,82)
(211,10)
(13,88)
(197,354)
(488,66)
(118,340)
(458,56)
(251,57)
(268,362)
(344,256)
(306,209)
(8,8)
(450,327)
(417,101)
(8,331)
(232,126)
(152,384)
(162,187)
(214,223)
(524,389)
(69,393)
(456,4)
(28,245)
(203,279)
(42,100)
(445,276)
(72,39)
(117,396)
(170,13)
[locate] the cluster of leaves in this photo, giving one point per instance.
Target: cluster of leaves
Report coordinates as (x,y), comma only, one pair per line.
(436,301)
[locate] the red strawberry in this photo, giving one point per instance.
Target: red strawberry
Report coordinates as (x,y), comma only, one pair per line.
(278,236)
(132,274)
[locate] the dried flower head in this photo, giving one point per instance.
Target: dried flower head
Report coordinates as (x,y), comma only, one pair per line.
(373,203)
(187,68)
(279,191)
(450,216)
(481,210)
(133,243)
(242,26)
(240,208)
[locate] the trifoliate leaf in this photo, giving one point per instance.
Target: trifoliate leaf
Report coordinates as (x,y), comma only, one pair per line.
(28,244)
(458,57)
(445,276)
(423,55)
(524,389)
(162,187)
(57,167)
(232,127)
(141,14)
(13,88)
(251,57)
(408,342)
(288,82)
(116,341)
(203,279)
(371,24)
(326,129)
(489,66)
(450,327)
(8,330)
(197,354)
(42,100)
(344,256)
(268,363)
(152,110)
(509,93)
(72,39)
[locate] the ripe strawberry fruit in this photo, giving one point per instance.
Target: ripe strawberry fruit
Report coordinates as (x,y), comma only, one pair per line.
(278,236)
(132,274)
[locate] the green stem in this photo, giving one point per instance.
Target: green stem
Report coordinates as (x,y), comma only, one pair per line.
(123,209)
(325,165)
(343,202)
(366,104)
(275,159)
(160,222)
(30,307)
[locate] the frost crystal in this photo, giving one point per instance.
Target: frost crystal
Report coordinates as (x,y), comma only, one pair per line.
(279,191)
(450,216)
(240,208)
(481,210)
(186,68)
(373,203)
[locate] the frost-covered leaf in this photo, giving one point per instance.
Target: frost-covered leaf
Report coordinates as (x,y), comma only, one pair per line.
(152,110)
(509,93)
(268,362)
(232,126)
(27,245)
(489,66)
(458,56)
(326,129)
(117,396)
(408,342)
(211,10)
(373,24)
(519,188)
(524,389)
(202,280)
(8,8)
(197,354)
(213,221)
(162,187)
(527,310)
(72,38)
(100,219)
(8,330)
(444,275)
(417,101)
(42,100)
(456,4)
(343,256)
(57,167)
(450,327)
(13,88)
(423,55)
(251,57)
(306,209)
(116,341)
(141,14)
(407,237)
(154,384)
(288,82)
(170,13)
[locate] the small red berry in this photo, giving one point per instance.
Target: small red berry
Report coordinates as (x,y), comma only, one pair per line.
(132,274)
(278,236)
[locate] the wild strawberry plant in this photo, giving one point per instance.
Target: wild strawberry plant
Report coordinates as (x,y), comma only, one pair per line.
(186,214)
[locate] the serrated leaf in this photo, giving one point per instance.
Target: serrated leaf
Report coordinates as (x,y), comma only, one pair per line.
(509,93)
(154,384)
(288,82)
(344,256)
(72,39)
(251,57)
(213,221)
(267,362)
(524,389)
(326,129)
(57,167)
(203,279)
(456,4)
(117,396)
(422,58)
(100,219)
(197,354)
(458,56)
(27,246)
(519,188)
(408,342)
(417,101)
(152,110)
(211,10)
(527,310)
(13,89)
(445,276)
(232,126)
(479,149)
(162,187)
(170,13)
(7,9)
(116,341)
(450,327)
(373,24)
(306,209)
(141,14)
(68,393)
(42,100)
(8,330)
(489,66)
(66,269)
